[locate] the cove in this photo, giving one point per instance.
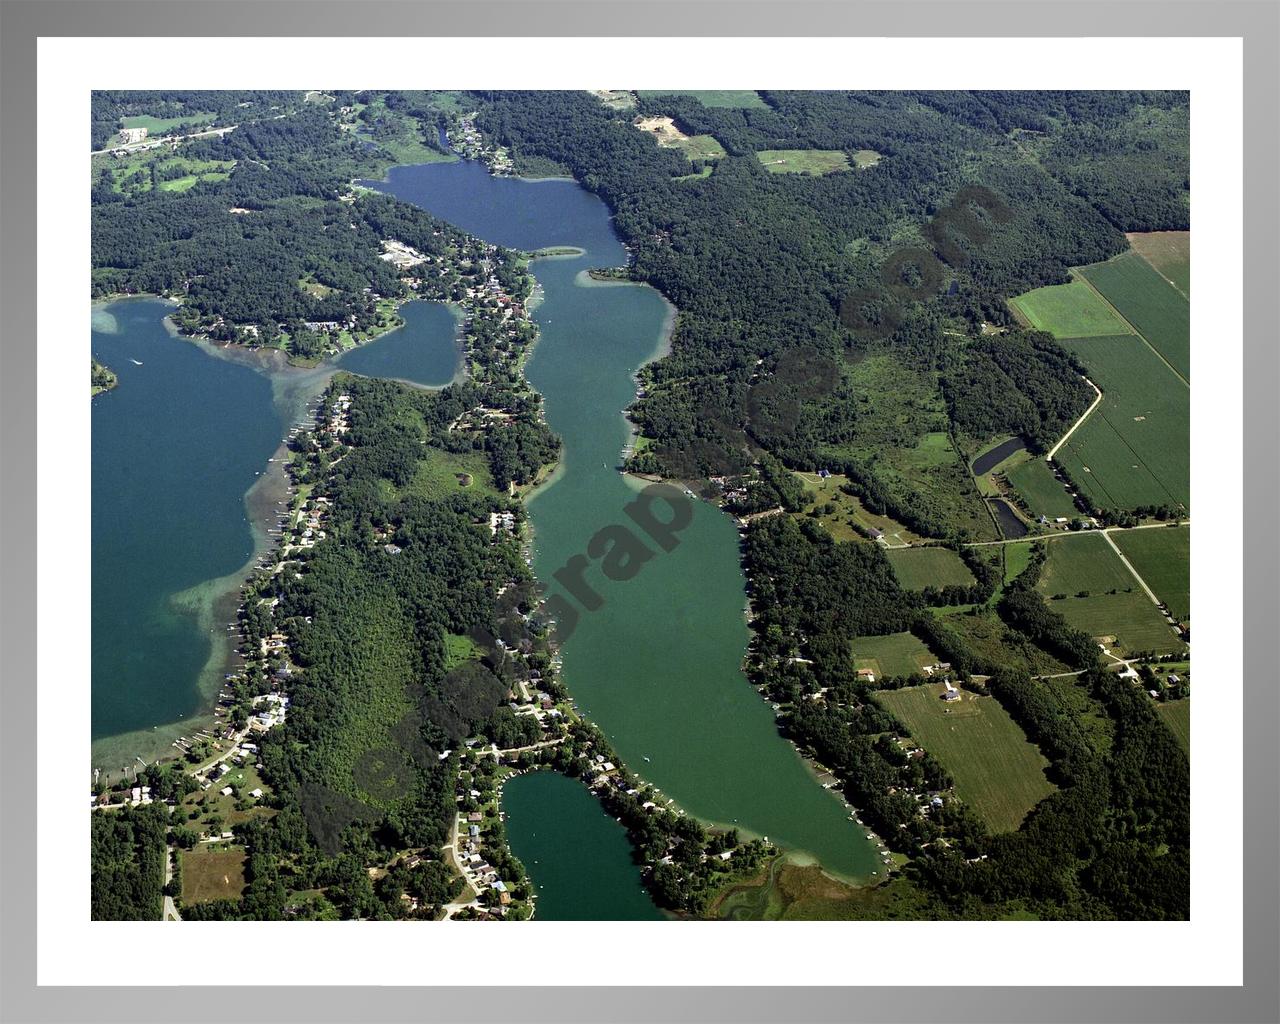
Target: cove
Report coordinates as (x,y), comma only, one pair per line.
(659,666)
(182,493)
(577,856)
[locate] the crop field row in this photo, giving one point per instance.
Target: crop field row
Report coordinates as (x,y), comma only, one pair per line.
(1135,449)
(997,770)
(1163,559)
(917,568)
(1150,303)
(1088,585)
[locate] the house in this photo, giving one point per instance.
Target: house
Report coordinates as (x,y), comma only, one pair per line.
(1174,679)
(875,534)
(823,474)
(474,831)
(131,135)
(951,693)
(226,791)
(867,674)
(256,794)
(475,816)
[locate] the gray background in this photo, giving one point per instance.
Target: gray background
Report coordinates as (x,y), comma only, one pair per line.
(21,23)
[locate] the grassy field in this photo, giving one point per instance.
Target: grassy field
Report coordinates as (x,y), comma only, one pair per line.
(701,147)
(1135,448)
(997,771)
(895,654)
(212,875)
(457,649)
(1169,252)
(133,174)
(713,97)
(864,158)
(804,161)
(917,568)
(1163,559)
(1151,304)
(160,125)
(847,511)
(442,473)
(1069,311)
(1177,716)
(1114,604)
(1044,493)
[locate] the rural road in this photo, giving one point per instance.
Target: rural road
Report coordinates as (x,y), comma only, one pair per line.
(1084,416)
(160,140)
(1129,565)
(1057,534)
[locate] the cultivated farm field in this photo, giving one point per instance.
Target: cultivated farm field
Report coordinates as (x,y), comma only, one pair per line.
(917,568)
(1176,714)
(997,770)
(1134,449)
(1071,310)
(1150,303)
(1113,602)
(1169,252)
(1163,559)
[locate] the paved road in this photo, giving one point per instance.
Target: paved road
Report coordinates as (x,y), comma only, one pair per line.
(161,140)
(1129,565)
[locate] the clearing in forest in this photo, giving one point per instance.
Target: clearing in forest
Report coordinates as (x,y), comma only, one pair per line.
(695,147)
(803,161)
(212,875)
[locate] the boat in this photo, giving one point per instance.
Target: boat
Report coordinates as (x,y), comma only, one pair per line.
(135,362)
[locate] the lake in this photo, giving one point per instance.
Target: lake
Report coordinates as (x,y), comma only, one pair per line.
(177,447)
(659,666)
(578,857)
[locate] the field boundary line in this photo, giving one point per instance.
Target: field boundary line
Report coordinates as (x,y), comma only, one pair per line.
(1129,565)
(1058,534)
(1083,416)
(1133,328)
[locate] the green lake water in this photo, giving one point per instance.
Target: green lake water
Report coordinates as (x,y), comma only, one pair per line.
(578,857)
(659,666)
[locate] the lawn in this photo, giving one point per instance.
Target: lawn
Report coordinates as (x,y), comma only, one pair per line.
(1176,714)
(1169,252)
(212,875)
(1071,310)
(804,161)
(917,568)
(1043,493)
(713,97)
(160,125)
(701,147)
(997,771)
(1135,448)
(1113,603)
(1163,559)
(895,654)
(1159,312)
(864,158)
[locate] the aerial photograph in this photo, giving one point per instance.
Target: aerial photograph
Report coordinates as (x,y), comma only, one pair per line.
(626,505)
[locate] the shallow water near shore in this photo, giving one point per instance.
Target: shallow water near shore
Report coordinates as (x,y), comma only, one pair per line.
(659,666)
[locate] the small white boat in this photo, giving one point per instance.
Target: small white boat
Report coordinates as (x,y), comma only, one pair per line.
(135,362)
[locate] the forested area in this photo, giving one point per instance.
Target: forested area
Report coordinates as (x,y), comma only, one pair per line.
(187,109)
(126,853)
